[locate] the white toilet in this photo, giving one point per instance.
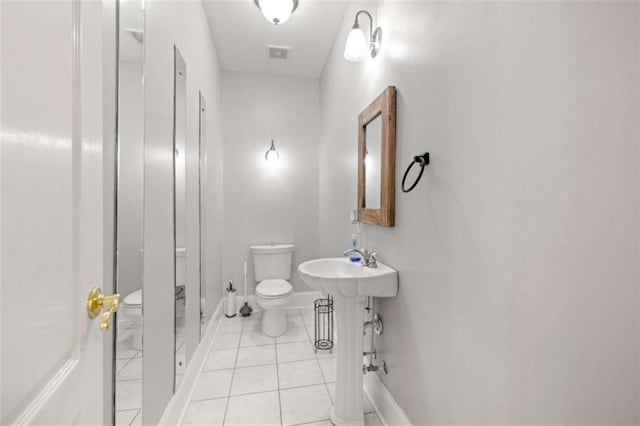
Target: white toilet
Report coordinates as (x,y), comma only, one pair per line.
(272,269)
(131,306)
(132,309)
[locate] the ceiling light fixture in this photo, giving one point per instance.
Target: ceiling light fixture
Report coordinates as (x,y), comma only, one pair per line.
(355,50)
(276,11)
(271,154)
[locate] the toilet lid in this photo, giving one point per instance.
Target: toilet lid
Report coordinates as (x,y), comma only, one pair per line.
(273,288)
(134,298)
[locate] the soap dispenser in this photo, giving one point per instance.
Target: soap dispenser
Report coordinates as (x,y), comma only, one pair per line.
(354,257)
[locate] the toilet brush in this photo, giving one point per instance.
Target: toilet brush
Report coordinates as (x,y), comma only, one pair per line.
(245,311)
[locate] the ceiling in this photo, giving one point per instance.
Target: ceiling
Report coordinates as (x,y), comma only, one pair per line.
(241,34)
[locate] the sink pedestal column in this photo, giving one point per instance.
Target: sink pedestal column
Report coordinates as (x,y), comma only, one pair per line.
(347,408)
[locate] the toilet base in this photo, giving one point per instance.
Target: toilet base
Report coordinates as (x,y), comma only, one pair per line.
(274,322)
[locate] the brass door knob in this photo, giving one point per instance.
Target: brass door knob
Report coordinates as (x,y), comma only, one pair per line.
(96,302)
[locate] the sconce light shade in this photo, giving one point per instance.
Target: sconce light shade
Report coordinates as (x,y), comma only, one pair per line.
(271,154)
(276,11)
(357,47)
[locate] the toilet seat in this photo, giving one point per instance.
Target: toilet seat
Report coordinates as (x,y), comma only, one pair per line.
(134,299)
(273,289)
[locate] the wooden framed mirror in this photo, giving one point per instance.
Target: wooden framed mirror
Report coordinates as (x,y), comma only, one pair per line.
(377,160)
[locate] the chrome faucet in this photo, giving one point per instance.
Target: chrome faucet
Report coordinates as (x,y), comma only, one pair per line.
(369,259)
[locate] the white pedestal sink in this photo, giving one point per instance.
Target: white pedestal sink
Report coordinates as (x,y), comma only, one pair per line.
(349,284)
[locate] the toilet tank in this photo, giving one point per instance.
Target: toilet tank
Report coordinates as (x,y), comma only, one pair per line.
(272,261)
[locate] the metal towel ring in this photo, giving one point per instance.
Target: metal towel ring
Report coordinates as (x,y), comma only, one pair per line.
(422,161)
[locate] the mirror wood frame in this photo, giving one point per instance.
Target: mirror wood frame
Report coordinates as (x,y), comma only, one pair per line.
(383,106)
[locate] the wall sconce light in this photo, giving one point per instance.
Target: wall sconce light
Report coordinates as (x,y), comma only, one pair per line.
(355,49)
(276,11)
(272,155)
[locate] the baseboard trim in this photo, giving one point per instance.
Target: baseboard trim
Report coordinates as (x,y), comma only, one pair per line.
(304,299)
(387,408)
(300,300)
(179,403)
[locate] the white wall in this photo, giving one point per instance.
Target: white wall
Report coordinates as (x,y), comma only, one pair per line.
(130,176)
(184,24)
(266,204)
(518,251)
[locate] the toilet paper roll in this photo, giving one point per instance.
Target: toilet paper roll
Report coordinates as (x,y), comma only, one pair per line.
(230,306)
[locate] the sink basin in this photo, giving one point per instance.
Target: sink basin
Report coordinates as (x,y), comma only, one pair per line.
(349,283)
(339,276)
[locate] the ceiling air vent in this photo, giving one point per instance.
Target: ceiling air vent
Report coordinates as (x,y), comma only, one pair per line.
(278,52)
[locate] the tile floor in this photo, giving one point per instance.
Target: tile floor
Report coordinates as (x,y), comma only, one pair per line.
(252,379)
(129,373)
(128,378)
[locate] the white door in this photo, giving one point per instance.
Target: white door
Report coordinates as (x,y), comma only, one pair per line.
(51,212)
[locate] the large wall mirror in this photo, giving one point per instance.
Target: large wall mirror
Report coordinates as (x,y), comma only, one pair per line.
(202,167)
(377,160)
(180,210)
(129,212)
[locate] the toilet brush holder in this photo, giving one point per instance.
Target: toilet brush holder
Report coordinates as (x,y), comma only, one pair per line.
(230,305)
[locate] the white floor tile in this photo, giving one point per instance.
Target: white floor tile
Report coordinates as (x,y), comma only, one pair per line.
(296,351)
(304,405)
(372,420)
(124,418)
(252,324)
(221,359)
(208,412)
(255,338)
(256,355)
(124,336)
(120,363)
(133,370)
(254,379)
(294,333)
(124,351)
(212,384)
(231,325)
(308,317)
(295,321)
(312,332)
(257,409)
(124,323)
(129,395)
(328,365)
(180,343)
(299,373)
(368,406)
(138,420)
(226,341)
(324,423)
